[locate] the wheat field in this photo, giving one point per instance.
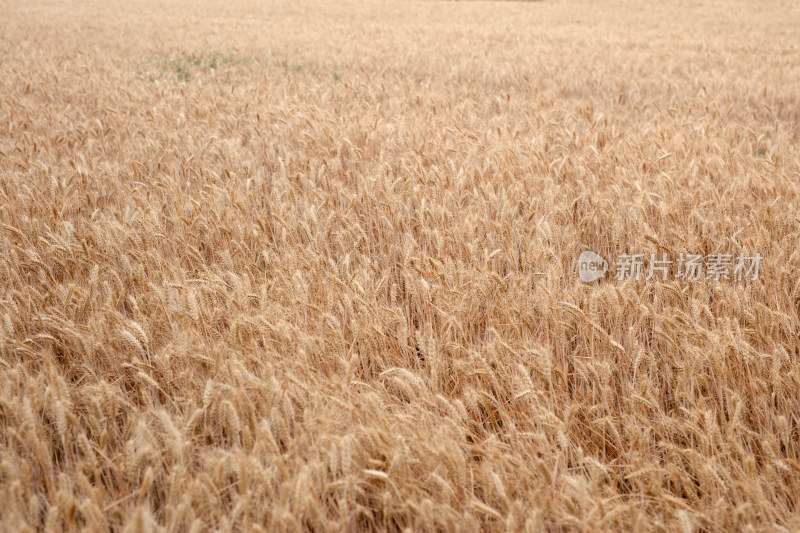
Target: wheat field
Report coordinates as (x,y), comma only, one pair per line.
(312,266)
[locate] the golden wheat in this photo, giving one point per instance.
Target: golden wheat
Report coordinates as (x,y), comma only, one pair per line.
(281,266)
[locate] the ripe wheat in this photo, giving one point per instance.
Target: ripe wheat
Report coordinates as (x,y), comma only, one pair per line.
(281,266)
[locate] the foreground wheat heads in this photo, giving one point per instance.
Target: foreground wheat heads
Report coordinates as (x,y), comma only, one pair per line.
(272,266)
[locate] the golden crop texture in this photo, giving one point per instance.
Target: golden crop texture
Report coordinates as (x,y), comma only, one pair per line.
(311,265)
